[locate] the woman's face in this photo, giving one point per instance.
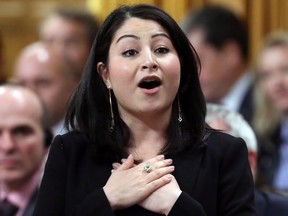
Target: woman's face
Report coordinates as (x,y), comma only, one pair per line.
(143,68)
(273,73)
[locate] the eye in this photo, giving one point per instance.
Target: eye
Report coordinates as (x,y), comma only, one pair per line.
(162,50)
(130,52)
(22,130)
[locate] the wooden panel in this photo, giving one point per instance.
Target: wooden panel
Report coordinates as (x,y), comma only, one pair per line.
(19,19)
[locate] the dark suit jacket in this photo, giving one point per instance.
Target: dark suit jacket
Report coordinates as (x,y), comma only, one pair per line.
(268,158)
(270,204)
(31,205)
(215,180)
(246,106)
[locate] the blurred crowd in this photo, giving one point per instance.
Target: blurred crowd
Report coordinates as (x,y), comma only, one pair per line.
(46,72)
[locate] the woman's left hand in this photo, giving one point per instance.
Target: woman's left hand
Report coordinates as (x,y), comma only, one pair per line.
(162,200)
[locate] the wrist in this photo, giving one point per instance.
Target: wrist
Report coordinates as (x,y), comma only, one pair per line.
(172,201)
(111,199)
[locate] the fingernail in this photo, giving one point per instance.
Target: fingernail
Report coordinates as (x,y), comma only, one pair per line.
(114,165)
(169,161)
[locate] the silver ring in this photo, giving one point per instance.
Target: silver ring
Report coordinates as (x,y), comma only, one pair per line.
(147,168)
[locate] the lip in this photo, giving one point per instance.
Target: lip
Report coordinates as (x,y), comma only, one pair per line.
(153,77)
(8,162)
(150,91)
(153,90)
(281,93)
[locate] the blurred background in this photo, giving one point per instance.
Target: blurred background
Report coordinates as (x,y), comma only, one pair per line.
(19,19)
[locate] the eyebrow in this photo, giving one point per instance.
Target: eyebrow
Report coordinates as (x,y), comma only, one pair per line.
(138,38)
(127,36)
(160,34)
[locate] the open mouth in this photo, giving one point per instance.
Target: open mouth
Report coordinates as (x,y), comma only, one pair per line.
(149,84)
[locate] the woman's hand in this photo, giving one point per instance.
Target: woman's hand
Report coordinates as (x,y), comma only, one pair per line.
(162,200)
(129,184)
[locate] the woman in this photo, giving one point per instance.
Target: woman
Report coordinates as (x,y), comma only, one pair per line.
(271,111)
(140,112)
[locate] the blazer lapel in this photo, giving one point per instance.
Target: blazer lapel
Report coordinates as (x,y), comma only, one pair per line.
(187,168)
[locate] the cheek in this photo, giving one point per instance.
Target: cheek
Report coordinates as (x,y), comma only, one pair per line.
(34,150)
(173,71)
(120,74)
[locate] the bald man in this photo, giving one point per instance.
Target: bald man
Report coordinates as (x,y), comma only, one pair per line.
(51,75)
(23,146)
(219,117)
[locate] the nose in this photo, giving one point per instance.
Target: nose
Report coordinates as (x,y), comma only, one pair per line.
(149,62)
(6,142)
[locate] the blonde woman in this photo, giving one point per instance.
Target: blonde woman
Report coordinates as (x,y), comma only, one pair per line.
(271,110)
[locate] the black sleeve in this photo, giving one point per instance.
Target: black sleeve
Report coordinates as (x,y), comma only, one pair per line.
(51,198)
(236,186)
(186,206)
(96,203)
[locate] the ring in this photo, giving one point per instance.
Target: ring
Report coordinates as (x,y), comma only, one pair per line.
(147,168)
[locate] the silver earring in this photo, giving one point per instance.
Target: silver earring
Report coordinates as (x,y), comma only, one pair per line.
(111,111)
(179,111)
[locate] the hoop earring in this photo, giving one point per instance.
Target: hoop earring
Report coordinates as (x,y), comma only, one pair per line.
(111,111)
(179,111)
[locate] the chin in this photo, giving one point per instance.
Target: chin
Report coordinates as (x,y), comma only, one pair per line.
(11,176)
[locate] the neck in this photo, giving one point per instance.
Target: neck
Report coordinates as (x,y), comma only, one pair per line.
(148,134)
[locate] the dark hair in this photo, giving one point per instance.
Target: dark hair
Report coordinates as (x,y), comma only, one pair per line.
(89,105)
(219,25)
(87,20)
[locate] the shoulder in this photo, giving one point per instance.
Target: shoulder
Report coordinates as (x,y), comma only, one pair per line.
(218,141)
(224,147)
(74,140)
(76,136)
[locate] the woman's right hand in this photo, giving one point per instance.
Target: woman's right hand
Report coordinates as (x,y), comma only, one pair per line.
(129,184)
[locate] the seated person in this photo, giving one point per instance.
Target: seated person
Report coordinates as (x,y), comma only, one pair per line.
(218,117)
(24,143)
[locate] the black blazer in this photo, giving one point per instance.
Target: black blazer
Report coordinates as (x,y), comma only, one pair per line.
(268,158)
(246,105)
(215,180)
(270,204)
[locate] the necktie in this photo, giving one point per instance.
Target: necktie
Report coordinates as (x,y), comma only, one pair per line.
(7,208)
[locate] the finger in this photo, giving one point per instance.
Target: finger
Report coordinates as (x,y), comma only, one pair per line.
(115,166)
(163,163)
(152,161)
(128,163)
(158,173)
(157,183)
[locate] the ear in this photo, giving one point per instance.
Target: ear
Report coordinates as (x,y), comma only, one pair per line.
(103,72)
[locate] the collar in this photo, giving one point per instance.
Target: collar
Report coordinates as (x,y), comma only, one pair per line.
(59,128)
(21,197)
(235,96)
